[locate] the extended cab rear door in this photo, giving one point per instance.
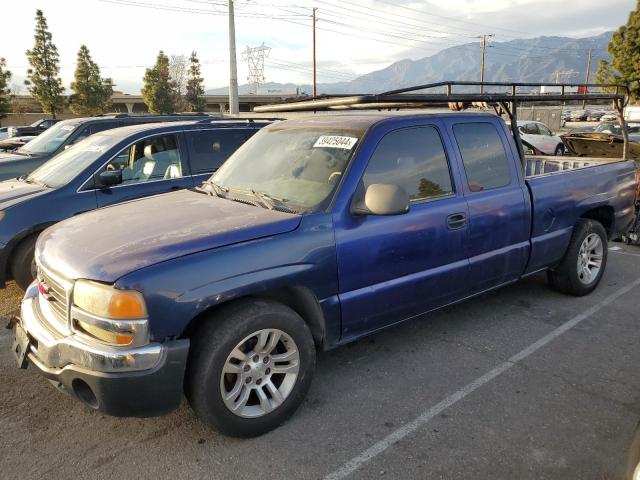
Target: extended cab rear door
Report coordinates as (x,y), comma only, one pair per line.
(499,205)
(394,267)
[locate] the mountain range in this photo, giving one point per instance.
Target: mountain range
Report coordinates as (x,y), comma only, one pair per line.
(523,60)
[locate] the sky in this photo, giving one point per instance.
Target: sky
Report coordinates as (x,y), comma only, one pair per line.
(353,38)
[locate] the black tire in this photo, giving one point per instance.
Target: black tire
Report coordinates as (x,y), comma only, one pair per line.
(633,459)
(212,343)
(22,264)
(559,152)
(564,277)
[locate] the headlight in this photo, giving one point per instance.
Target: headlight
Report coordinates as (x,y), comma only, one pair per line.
(118,317)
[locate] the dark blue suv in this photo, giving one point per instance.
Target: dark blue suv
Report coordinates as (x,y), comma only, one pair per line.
(63,134)
(110,167)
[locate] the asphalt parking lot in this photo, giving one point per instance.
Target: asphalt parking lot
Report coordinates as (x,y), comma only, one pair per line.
(520,383)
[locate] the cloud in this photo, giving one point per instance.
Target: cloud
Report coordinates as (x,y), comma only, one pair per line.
(353,38)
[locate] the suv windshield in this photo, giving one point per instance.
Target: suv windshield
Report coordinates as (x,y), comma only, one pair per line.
(49,140)
(298,167)
(65,166)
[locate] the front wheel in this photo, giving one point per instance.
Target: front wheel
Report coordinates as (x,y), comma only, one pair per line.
(582,267)
(22,263)
(250,367)
(559,152)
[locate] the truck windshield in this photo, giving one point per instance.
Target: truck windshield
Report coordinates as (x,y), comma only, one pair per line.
(298,167)
(49,140)
(66,166)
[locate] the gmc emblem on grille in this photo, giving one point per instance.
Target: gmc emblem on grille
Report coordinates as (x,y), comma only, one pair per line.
(45,290)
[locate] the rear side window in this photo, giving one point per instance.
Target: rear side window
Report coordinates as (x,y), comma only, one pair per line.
(414,159)
(485,161)
(208,149)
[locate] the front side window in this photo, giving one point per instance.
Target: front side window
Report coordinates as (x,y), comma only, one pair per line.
(544,130)
(91,129)
(414,159)
(485,161)
(151,159)
(208,149)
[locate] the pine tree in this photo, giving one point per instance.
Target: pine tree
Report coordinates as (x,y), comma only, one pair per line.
(5,93)
(91,93)
(43,80)
(606,74)
(159,90)
(624,49)
(195,87)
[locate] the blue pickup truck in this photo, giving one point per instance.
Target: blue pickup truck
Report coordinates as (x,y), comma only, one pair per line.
(314,233)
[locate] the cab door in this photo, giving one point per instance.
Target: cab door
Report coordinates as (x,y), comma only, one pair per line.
(499,205)
(153,165)
(394,267)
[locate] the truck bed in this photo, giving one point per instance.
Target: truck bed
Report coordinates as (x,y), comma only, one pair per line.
(563,189)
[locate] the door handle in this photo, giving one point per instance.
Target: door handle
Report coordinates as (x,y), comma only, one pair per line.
(456,221)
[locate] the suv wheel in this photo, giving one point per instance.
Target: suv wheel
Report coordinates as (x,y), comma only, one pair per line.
(250,367)
(22,263)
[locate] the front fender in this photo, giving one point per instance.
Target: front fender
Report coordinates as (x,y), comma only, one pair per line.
(178,290)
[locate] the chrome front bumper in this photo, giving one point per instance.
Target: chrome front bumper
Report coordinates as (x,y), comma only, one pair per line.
(51,351)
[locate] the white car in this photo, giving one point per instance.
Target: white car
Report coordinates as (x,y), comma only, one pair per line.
(541,137)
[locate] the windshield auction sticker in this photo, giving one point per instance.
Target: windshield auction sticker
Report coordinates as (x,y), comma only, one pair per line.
(335,141)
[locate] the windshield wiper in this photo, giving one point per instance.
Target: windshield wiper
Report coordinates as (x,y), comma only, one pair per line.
(27,179)
(216,189)
(272,203)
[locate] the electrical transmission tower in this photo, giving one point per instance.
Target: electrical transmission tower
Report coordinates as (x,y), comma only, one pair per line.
(254,56)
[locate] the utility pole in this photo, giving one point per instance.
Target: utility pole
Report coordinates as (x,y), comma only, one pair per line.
(484,49)
(587,77)
(315,85)
(233,68)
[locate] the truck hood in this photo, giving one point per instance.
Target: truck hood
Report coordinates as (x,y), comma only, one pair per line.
(14,191)
(109,243)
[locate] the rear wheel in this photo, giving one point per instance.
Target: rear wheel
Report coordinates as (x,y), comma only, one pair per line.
(559,151)
(250,367)
(583,265)
(22,263)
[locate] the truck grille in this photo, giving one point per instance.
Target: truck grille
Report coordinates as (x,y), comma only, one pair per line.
(54,294)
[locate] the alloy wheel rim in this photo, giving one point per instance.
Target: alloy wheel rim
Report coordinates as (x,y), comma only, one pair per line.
(260,373)
(590,258)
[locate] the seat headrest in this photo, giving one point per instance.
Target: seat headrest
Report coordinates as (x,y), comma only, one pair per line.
(149,151)
(172,172)
(148,167)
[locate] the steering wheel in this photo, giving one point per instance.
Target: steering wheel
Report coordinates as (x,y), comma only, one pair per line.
(333,177)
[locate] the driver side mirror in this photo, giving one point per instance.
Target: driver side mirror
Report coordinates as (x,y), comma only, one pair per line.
(108,178)
(383,199)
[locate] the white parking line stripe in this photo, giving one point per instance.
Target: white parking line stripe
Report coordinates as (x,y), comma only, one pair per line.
(407,429)
(622,252)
